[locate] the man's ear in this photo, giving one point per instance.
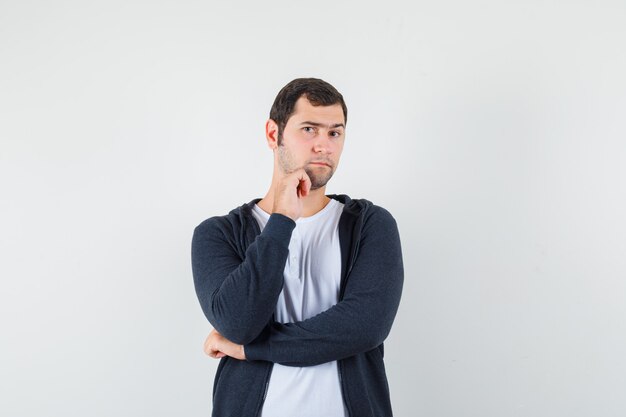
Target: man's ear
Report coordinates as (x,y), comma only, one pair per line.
(271,134)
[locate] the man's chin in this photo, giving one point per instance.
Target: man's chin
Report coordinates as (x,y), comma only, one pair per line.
(318,181)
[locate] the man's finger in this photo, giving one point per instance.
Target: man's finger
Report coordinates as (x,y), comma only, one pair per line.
(207,341)
(304,183)
(215,353)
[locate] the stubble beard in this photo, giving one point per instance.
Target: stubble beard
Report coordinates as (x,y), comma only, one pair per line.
(319,177)
(319,180)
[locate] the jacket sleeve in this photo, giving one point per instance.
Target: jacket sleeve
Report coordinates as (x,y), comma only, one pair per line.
(238,296)
(360,321)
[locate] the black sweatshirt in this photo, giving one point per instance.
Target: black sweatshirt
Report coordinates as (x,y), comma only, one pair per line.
(238,276)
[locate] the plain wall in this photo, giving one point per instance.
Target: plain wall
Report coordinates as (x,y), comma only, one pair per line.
(493,131)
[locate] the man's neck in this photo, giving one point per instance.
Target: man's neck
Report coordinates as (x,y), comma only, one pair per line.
(311,204)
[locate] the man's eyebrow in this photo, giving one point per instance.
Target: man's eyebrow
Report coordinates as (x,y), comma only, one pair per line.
(322,124)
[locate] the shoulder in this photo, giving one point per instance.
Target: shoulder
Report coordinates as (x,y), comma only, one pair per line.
(217,236)
(361,207)
(370,217)
(380,222)
(380,213)
(371,212)
(215,224)
(222,227)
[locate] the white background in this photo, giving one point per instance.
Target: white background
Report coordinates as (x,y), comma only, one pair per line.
(492,130)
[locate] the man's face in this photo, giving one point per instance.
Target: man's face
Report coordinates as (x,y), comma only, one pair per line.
(313,139)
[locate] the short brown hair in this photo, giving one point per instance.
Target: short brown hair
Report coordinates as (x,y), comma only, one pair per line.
(317,92)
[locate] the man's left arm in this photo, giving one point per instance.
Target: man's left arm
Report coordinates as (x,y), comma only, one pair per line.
(360,321)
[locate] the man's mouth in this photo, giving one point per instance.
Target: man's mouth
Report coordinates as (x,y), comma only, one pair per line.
(320,163)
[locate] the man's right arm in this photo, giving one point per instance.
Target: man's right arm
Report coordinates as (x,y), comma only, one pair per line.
(238,296)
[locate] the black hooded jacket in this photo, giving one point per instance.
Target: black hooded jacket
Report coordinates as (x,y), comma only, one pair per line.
(238,276)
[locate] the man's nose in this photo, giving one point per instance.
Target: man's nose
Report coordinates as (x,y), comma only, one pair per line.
(322,144)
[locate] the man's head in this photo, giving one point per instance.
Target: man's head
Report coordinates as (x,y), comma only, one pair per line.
(317,92)
(307,128)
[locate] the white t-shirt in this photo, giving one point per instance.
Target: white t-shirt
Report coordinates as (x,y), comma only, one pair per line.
(312,278)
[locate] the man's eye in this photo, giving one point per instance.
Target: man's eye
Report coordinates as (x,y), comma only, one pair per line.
(307,129)
(335,134)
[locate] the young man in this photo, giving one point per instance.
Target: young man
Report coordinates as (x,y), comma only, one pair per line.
(301,288)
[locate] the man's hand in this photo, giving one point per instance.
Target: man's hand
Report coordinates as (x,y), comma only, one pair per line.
(289,192)
(217,346)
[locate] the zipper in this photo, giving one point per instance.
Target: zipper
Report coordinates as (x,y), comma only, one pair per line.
(267,379)
(257,229)
(356,236)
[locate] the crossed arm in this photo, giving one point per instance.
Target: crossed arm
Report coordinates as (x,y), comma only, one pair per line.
(357,323)
(238,291)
